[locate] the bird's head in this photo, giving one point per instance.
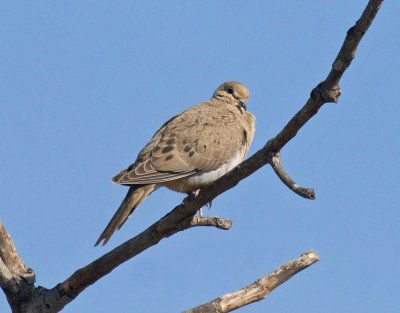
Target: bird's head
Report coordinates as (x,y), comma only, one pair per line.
(234,93)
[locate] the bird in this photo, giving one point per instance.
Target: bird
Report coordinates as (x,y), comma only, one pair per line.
(189,151)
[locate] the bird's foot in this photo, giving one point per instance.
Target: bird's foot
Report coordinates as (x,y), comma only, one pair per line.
(196,193)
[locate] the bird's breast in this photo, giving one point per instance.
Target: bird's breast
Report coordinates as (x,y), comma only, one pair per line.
(202,178)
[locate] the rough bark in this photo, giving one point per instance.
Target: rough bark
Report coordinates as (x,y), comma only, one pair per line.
(17,280)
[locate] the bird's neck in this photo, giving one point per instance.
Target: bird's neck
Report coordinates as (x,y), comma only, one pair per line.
(223,98)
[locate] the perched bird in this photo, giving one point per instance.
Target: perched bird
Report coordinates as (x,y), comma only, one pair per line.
(191,150)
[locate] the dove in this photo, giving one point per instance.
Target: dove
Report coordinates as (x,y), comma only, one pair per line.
(189,151)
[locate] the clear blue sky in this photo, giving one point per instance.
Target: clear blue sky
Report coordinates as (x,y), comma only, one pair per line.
(84,85)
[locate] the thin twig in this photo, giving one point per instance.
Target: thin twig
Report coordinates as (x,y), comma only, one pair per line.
(275,162)
(214,221)
(194,221)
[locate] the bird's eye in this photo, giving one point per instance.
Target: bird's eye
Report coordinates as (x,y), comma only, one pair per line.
(230,90)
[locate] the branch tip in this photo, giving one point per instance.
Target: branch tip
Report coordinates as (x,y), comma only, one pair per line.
(312,255)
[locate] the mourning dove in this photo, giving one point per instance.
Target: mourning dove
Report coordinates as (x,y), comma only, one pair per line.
(189,151)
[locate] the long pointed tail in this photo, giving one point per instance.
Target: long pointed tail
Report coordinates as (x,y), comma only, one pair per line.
(135,196)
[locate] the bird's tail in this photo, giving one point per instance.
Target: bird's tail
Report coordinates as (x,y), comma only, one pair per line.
(135,196)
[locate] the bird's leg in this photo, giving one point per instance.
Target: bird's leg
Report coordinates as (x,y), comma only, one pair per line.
(196,193)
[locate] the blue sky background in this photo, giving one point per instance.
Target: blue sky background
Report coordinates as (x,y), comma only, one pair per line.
(85,84)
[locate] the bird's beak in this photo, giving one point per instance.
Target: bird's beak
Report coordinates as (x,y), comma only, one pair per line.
(242,103)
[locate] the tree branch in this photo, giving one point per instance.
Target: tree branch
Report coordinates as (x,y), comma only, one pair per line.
(53,300)
(9,254)
(214,221)
(259,289)
(328,90)
(16,280)
(6,279)
(275,161)
(57,297)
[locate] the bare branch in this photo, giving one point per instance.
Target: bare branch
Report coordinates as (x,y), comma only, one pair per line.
(167,226)
(194,221)
(214,221)
(275,162)
(328,90)
(350,44)
(6,278)
(259,289)
(16,280)
(9,254)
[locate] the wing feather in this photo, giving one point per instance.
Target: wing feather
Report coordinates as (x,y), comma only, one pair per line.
(202,138)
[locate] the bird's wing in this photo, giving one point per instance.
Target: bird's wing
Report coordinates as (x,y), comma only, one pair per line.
(201,138)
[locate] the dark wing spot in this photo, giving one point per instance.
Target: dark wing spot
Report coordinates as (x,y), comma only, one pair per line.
(187,149)
(184,141)
(245,139)
(167,149)
(172,135)
(191,153)
(170,141)
(168,157)
(156,149)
